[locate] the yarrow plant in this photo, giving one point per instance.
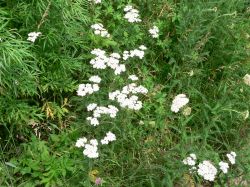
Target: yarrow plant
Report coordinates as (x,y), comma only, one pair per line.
(33,36)
(140,52)
(206,169)
(90,149)
(231,157)
(154,32)
(133,77)
(99,110)
(102,61)
(110,137)
(100,30)
(131,14)
(179,101)
(95,79)
(126,97)
(190,160)
(224,166)
(85,89)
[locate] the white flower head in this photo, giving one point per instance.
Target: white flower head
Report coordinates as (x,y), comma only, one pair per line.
(154,31)
(179,101)
(131,14)
(231,157)
(84,89)
(140,52)
(190,160)
(143,47)
(100,30)
(93,121)
(32,36)
(91,106)
(81,142)
(93,142)
(95,79)
(246,79)
(91,151)
(110,137)
(133,77)
(96,1)
(207,170)
(224,166)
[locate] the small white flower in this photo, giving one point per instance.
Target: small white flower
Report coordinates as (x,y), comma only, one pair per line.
(246,79)
(96,1)
(95,79)
(143,47)
(178,102)
(207,170)
(91,151)
(224,166)
(81,142)
(154,32)
(110,137)
(133,77)
(190,160)
(91,106)
(131,14)
(231,157)
(32,36)
(93,142)
(104,141)
(85,89)
(116,55)
(100,30)
(93,121)
(126,98)
(95,87)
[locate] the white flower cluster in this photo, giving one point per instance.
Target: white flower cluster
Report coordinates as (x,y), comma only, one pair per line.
(154,32)
(96,1)
(102,61)
(134,53)
(131,14)
(231,157)
(224,166)
(206,169)
(84,89)
(126,98)
(133,77)
(33,36)
(110,137)
(179,101)
(190,160)
(100,30)
(246,79)
(98,111)
(95,79)
(90,149)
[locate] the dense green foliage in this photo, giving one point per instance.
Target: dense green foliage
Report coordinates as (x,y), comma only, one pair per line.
(41,117)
